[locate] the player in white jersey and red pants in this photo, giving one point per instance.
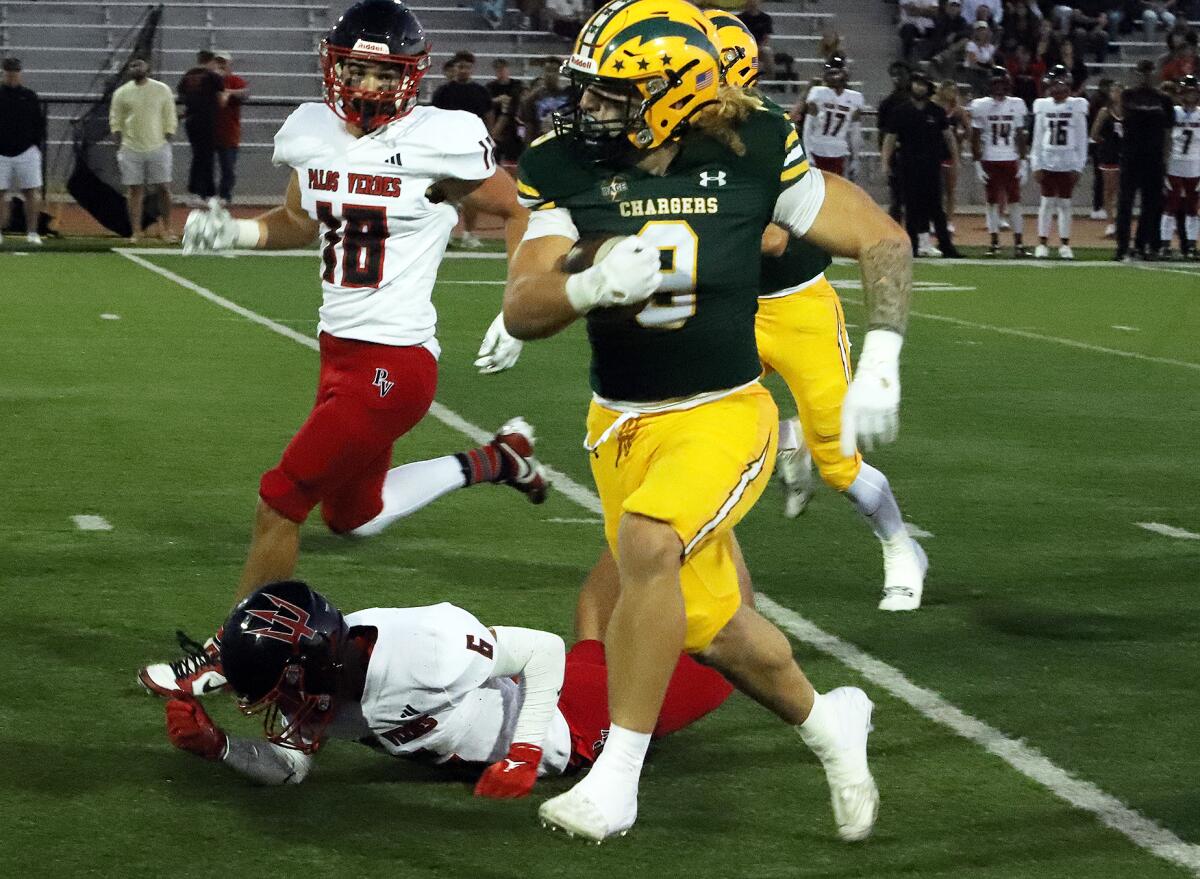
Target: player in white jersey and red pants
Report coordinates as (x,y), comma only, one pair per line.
(1058,154)
(371,171)
(1183,172)
(999,147)
(832,130)
(424,683)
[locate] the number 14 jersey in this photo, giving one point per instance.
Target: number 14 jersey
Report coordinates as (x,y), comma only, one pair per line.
(382,240)
(998,123)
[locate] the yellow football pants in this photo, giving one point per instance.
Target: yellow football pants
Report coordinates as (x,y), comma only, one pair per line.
(803,338)
(700,470)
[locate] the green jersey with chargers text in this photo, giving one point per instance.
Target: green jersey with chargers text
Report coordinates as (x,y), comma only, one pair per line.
(706,215)
(801,261)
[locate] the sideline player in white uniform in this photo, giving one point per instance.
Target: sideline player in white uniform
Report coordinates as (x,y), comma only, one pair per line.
(1183,171)
(424,683)
(832,128)
(370,170)
(1058,154)
(999,147)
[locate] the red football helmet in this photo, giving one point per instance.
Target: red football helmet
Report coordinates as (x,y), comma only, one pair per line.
(380,39)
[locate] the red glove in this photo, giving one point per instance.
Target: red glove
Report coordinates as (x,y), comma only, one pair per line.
(191,729)
(513,776)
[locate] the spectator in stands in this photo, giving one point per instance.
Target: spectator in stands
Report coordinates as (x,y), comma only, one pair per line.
(460,92)
(567,17)
(831,44)
(921,132)
(229,124)
(884,115)
(980,55)
(1149,116)
(1180,60)
(1097,101)
(1107,128)
(949,100)
(991,11)
(1153,14)
(202,91)
(1026,72)
(22,128)
(918,18)
(761,27)
(1069,58)
(1086,24)
(950,34)
(531,14)
(1022,21)
(142,116)
(549,96)
(506,95)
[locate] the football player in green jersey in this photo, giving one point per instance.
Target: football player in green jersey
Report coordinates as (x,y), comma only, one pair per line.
(686,175)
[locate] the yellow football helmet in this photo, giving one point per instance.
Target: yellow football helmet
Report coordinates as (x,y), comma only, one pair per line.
(662,56)
(739,50)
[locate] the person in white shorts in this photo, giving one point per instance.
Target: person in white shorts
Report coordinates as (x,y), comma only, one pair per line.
(20,157)
(143,118)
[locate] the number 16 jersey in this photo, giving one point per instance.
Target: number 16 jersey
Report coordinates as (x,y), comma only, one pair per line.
(998,123)
(382,240)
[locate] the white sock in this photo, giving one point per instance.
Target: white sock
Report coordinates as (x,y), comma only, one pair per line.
(820,729)
(993,217)
(1191,226)
(872,497)
(1045,211)
(1167,228)
(411,486)
(1064,219)
(789,434)
(613,780)
(1016,219)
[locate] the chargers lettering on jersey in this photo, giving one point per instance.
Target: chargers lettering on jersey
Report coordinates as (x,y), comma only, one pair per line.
(653,207)
(326,181)
(374,184)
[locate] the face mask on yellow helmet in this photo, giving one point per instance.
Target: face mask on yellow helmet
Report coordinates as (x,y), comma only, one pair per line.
(739,50)
(658,58)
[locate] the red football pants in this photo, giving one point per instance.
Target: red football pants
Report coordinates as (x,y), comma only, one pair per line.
(694,690)
(368,396)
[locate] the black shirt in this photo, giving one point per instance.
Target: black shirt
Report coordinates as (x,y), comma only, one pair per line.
(759,24)
(887,108)
(198,89)
(921,132)
(21,123)
(469,96)
(1148,116)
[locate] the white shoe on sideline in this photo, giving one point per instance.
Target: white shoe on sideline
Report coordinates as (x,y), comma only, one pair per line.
(1005,226)
(33,238)
(929,251)
(1099,214)
(904,567)
(1041,252)
(1065,252)
(1110,231)
(852,790)
(795,469)
(469,241)
(578,813)
(950,228)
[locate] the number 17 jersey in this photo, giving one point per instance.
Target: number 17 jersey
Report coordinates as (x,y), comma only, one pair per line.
(998,123)
(382,240)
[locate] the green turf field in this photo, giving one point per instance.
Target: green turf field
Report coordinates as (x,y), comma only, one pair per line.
(1046,412)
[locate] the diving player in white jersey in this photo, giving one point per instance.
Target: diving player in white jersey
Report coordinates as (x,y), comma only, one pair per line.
(424,683)
(1058,154)
(999,146)
(832,129)
(371,171)
(1183,171)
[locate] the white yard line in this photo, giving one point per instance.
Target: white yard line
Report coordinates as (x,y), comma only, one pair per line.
(1142,831)
(91,523)
(561,520)
(1169,530)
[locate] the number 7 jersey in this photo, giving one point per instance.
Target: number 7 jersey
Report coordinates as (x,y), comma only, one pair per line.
(382,240)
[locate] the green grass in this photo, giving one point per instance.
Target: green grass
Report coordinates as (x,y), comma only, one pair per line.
(1049,614)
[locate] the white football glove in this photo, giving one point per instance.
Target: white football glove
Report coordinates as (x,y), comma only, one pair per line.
(871,408)
(213,229)
(980,174)
(626,275)
(499,350)
(1023,171)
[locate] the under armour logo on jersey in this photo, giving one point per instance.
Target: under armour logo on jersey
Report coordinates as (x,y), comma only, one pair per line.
(381,382)
(394,160)
(706,178)
(289,623)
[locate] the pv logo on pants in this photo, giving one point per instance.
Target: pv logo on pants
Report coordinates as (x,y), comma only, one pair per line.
(381,382)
